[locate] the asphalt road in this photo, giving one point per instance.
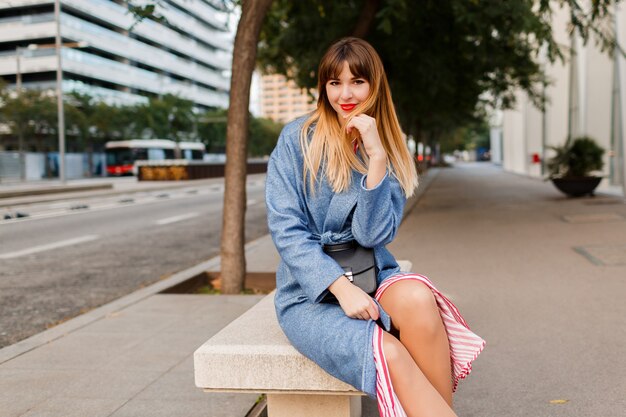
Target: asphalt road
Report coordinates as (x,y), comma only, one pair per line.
(72,256)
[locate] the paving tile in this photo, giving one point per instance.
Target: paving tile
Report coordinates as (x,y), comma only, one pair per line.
(213,405)
(86,351)
(189,305)
(605,255)
(132,322)
(41,382)
(111,384)
(159,353)
(12,405)
(593,218)
(75,407)
(22,390)
(175,304)
(177,385)
(186,365)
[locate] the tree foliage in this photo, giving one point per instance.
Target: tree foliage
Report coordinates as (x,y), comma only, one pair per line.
(169,117)
(31,113)
(212,130)
(468,137)
(263,133)
(446,60)
(91,122)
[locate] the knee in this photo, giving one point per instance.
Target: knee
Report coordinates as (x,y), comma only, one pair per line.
(418,309)
(394,350)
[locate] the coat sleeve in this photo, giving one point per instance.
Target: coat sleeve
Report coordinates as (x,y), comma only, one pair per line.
(288,224)
(378,212)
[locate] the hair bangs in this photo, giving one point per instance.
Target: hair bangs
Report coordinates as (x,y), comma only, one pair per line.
(333,64)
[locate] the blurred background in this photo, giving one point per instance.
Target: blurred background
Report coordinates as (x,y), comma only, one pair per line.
(471,81)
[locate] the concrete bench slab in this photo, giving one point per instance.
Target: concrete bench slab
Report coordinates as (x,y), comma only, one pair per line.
(252,354)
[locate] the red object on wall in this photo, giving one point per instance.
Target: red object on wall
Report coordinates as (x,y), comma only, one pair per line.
(536,158)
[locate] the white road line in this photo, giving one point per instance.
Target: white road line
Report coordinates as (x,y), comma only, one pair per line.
(105,206)
(50,246)
(91,209)
(177,218)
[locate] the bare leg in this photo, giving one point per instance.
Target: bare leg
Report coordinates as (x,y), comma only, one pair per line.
(416,394)
(415,314)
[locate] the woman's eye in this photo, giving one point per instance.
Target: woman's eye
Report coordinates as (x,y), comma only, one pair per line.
(333,83)
(359,81)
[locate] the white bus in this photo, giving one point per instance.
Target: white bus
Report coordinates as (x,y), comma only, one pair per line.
(121,155)
(191,151)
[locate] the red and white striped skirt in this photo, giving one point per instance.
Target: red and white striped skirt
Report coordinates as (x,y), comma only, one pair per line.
(465,346)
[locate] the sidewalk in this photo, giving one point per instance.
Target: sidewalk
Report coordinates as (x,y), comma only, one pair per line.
(540,277)
(132,357)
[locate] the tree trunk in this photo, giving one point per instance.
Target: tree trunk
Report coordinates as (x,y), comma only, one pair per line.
(366,18)
(233,261)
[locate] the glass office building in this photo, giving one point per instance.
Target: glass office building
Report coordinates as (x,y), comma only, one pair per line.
(109,55)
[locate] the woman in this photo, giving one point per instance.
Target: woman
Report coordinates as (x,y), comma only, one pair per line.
(342,174)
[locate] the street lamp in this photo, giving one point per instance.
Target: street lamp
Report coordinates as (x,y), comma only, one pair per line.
(20,133)
(59,91)
(58,45)
(18,73)
(61,114)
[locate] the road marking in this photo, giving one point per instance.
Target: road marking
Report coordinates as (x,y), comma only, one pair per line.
(50,246)
(106,206)
(177,218)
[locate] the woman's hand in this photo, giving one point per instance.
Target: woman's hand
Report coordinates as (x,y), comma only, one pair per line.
(355,302)
(367,129)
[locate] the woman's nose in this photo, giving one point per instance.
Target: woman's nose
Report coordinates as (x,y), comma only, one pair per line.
(346,93)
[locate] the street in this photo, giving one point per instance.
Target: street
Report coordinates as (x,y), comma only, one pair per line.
(71,256)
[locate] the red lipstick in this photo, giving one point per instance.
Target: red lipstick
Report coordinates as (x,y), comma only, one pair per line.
(347,107)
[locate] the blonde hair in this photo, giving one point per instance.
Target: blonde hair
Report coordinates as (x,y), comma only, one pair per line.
(330,147)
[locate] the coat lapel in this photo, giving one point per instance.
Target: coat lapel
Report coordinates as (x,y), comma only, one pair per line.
(341,205)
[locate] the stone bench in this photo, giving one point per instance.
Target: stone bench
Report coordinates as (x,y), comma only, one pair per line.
(252,355)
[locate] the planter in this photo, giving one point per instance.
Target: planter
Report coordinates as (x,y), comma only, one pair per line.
(577,187)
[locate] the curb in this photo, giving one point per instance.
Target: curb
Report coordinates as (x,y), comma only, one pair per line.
(55,190)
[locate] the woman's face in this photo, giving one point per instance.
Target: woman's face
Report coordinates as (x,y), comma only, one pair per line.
(347,91)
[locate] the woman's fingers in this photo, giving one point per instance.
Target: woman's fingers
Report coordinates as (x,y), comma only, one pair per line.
(368,312)
(354,301)
(373,310)
(361,122)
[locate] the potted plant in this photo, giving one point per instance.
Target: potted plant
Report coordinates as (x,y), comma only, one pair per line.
(571,168)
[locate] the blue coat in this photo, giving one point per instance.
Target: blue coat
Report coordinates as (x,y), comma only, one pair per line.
(299,224)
